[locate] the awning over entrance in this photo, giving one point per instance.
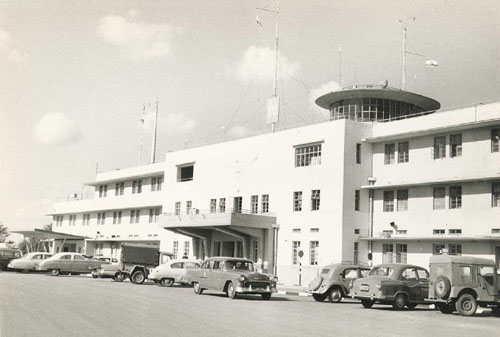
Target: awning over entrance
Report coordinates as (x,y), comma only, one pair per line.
(44,234)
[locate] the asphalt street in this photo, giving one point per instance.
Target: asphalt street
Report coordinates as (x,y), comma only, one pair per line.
(40,305)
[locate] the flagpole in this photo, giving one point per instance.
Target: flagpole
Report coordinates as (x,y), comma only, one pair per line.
(404,57)
(340,67)
(275,85)
(142,133)
(153,148)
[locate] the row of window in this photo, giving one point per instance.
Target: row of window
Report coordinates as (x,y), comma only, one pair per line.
(156,185)
(315,200)
(311,155)
(175,249)
(451,231)
(438,149)
(439,198)
(154,214)
(398,252)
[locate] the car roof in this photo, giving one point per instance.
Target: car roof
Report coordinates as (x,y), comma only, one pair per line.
(183,260)
(225,258)
(343,266)
(460,259)
(397,266)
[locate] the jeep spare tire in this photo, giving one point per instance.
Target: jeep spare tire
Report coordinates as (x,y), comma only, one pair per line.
(442,287)
(316,283)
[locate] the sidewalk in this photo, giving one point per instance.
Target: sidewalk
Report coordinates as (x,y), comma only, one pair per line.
(292,289)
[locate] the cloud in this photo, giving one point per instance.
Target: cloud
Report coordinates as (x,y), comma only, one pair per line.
(136,38)
(259,63)
(56,129)
(323,89)
(6,48)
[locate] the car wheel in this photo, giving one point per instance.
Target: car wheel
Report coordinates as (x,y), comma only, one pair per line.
(367,303)
(411,305)
(495,311)
(466,305)
(231,291)
(399,302)
(319,297)
(266,296)
(55,272)
(94,274)
(335,295)
(138,277)
(119,277)
(167,282)
(197,288)
(442,287)
(446,308)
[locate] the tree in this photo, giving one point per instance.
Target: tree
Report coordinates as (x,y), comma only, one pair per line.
(4,232)
(48,227)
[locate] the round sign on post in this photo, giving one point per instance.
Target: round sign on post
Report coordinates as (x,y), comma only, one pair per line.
(301,253)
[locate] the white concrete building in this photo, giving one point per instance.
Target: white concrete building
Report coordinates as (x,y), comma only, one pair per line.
(386,175)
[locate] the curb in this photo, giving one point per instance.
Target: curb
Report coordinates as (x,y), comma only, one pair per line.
(293,293)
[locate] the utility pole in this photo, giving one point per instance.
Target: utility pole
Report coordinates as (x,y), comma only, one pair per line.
(153,147)
(142,133)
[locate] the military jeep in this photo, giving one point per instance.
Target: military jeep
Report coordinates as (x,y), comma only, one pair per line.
(462,283)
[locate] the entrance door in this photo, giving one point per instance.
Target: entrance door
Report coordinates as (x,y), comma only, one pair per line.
(228,248)
(69,248)
(497,256)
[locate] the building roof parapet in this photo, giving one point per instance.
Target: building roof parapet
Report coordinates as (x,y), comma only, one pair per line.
(436,238)
(130,173)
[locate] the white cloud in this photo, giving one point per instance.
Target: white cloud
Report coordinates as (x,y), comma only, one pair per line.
(56,129)
(323,89)
(259,63)
(6,48)
(137,38)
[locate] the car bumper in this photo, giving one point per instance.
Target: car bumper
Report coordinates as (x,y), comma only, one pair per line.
(251,290)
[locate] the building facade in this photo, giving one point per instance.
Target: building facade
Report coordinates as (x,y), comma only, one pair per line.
(387,178)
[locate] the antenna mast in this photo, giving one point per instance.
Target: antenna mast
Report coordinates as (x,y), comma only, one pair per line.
(340,67)
(142,133)
(153,148)
(403,83)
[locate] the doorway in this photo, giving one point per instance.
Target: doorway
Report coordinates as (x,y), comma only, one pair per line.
(497,256)
(228,248)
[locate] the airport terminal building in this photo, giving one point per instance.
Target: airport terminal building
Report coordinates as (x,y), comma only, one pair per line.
(388,178)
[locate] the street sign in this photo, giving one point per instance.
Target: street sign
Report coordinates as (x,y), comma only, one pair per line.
(301,253)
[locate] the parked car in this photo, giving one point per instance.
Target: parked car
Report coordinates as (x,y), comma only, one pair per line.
(393,283)
(173,271)
(233,276)
(462,283)
(105,270)
(334,281)
(8,254)
(29,262)
(66,263)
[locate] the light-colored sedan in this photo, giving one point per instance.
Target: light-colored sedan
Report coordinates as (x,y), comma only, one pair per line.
(173,272)
(66,263)
(29,262)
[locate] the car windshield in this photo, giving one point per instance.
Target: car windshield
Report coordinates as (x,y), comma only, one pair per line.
(381,271)
(238,265)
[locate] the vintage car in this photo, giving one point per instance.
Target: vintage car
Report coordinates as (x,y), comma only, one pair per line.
(173,271)
(8,254)
(334,281)
(462,283)
(69,263)
(29,262)
(393,283)
(233,276)
(108,270)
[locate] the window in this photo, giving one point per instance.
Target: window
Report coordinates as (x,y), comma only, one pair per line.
(103,191)
(189,206)
(439,147)
(213,205)
(237,204)
(495,195)
(402,200)
(455,249)
(409,274)
(387,252)
(265,203)
(186,248)
(314,230)
(454,231)
(295,252)
(456,145)
(495,231)
(422,274)
(356,252)
(438,248)
(388,201)
(495,140)
(177,208)
(455,197)
(308,155)
(315,200)
(101,218)
(465,273)
(135,216)
(119,188)
(358,153)
(59,220)
(389,154)
(438,232)
(154,214)
(401,253)
(222,205)
(297,201)
(185,172)
(403,152)
(313,253)
(117,217)
(175,248)
(136,186)
(254,206)
(356,231)
(156,183)
(439,195)
(357,197)
(401,232)
(296,230)
(86,220)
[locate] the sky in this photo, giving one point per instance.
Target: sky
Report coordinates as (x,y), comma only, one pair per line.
(75,76)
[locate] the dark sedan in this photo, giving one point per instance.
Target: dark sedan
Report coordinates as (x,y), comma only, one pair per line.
(70,263)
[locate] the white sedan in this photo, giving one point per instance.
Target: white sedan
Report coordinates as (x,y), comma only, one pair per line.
(29,262)
(173,271)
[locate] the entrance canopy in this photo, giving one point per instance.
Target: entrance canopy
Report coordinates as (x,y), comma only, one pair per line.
(44,234)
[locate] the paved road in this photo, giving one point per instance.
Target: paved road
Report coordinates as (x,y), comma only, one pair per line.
(40,305)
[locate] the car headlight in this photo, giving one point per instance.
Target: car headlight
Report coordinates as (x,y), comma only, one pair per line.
(242,278)
(274,279)
(9,265)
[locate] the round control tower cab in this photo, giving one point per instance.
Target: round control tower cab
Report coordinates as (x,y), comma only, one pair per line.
(372,103)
